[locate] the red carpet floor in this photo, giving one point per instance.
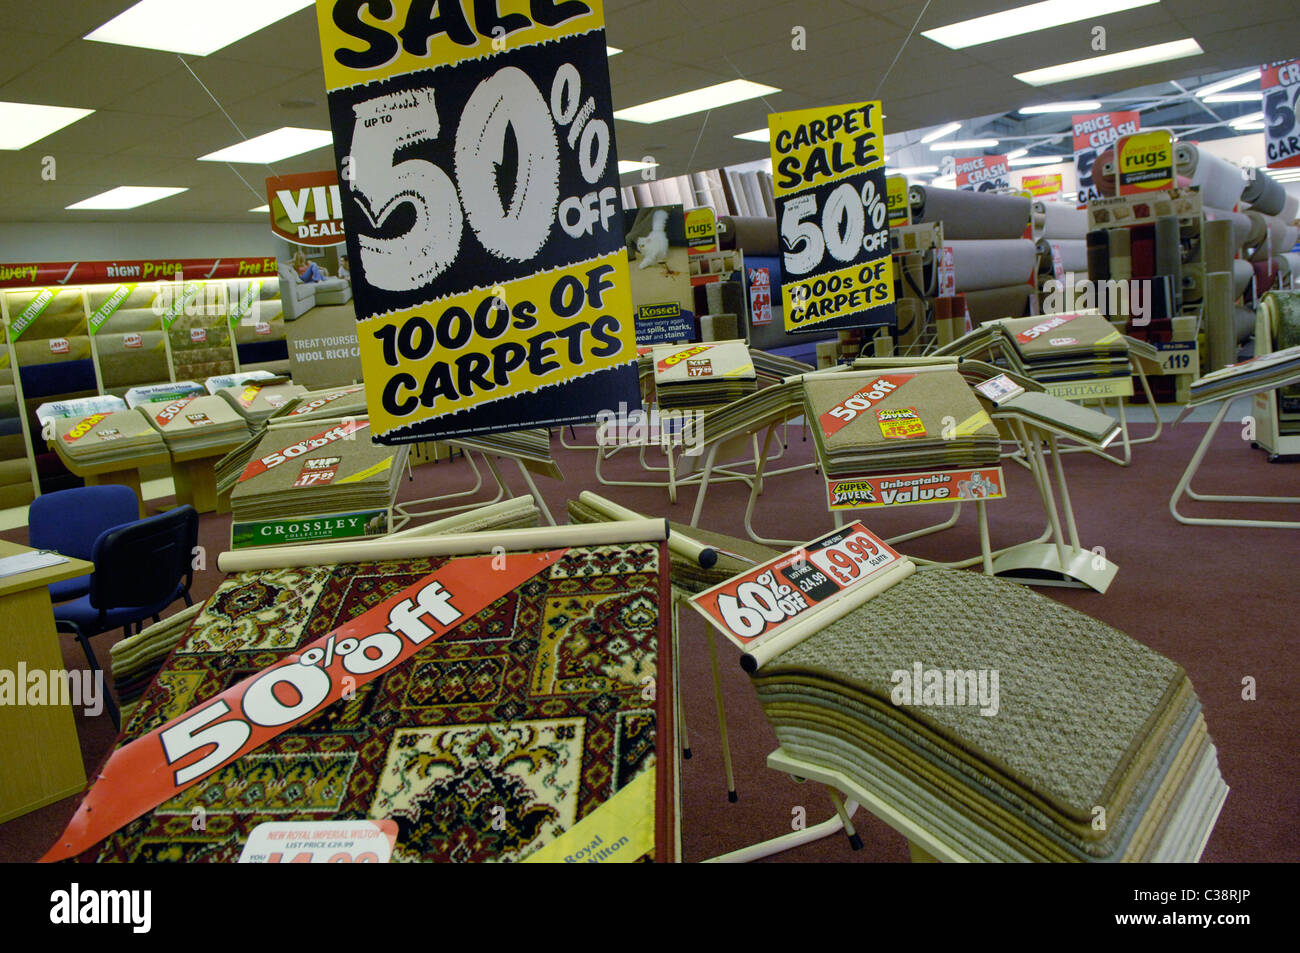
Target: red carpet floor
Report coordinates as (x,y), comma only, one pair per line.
(1222,602)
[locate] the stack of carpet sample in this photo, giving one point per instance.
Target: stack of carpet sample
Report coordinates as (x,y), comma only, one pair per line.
(702,375)
(783,400)
(120,437)
(531,447)
(1067,347)
(194,423)
(306,470)
(777,366)
(1028,400)
(135,661)
(325,404)
(256,401)
(1008,726)
(898,419)
(1247,377)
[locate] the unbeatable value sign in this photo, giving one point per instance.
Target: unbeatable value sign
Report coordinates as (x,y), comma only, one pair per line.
(832,207)
(475,144)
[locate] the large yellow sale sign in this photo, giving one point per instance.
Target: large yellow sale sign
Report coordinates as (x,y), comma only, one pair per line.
(833,217)
(479,183)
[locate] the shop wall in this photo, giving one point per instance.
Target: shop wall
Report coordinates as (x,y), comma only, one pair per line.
(105,241)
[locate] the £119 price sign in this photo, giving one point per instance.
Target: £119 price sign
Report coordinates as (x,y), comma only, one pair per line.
(479,183)
(768,598)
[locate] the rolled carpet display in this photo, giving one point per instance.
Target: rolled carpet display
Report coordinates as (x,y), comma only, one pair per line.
(875,422)
(702,375)
(970,215)
(1221,182)
(1264,193)
(1242,272)
(1013,301)
(1074,254)
(1057,220)
(1241,224)
(1002,721)
(106,438)
(755,235)
(1258,227)
(1169,255)
(1281,238)
(1288,265)
(519,706)
(1217,248)
(1098,255)
(979,265)
(1218,319)
(1193,283)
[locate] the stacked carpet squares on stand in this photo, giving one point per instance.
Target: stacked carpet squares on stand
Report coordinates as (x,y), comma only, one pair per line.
(878,421)
(256,401)
(194,423)
(533,705)
(119,437)
(1067,347)
(1003,723)
(702,375)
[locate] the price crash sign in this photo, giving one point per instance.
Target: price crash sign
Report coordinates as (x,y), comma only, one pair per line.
(1280,83)
(1094,133)
(479,182)
(833,214)
(766,600)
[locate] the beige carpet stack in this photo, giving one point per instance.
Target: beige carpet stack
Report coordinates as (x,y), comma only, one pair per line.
(119,437)
(196,422)
(702,375)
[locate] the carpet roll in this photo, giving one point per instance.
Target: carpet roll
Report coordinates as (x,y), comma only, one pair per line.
(978,265)
(754,235)
(971,215)
(1218,320)
(1243,320)
(1221,182)
(1258,227)
(1265,276)
(1288,264)
(1242,272)
(1055,220)
(1193,283)
(1290,208)
(1098,255)
(1169,253)
(1103,172)
(1217,247)
(1281,238)
(1074,254)
(1264,193)
(1241,224)
(1121,264)
(988,304)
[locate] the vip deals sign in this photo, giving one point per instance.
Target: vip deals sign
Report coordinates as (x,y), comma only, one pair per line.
(982,173)
(1280,83)
(480,193)
(833,213)
(1093,134)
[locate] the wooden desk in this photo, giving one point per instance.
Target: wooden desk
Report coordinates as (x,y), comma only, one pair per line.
(195,477)
(40,754)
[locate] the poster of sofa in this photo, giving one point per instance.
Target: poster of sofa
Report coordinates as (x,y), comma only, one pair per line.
(659,259)
(307,222)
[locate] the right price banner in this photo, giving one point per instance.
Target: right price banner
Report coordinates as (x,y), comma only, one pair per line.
(833,215)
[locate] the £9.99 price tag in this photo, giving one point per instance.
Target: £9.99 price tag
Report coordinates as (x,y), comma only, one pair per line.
(767,599)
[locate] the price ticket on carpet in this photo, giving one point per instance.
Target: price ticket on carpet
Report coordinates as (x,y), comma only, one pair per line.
(320,842)
(766,600)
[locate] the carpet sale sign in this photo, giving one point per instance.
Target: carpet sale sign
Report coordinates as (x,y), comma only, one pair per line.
(1094,133)
(833,215)
(1280,83)
(982,173)
(475,145)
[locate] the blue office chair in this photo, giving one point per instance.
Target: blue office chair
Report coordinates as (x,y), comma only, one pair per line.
(141,568)
(69,522)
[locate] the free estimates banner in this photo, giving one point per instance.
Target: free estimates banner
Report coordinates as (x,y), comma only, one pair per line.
(982,173)
(832,211)
(1280,83)
(1094,133)
(480,195)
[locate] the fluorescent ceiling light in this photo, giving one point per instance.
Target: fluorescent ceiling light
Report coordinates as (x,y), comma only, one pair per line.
(1220,85)
(914,170)
(1232,97)
(127,196)
(197,27)
(612,51)
(1027,19)
(755,135)
(1250,119)
(1016,154)
(1034,160)
(1250,127)
(281,144)
(697,100)
(945,181)
(1111,62)
(963,144)
(261,208)
(627,165)
(940,132)
(1083,106)
(21,124)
